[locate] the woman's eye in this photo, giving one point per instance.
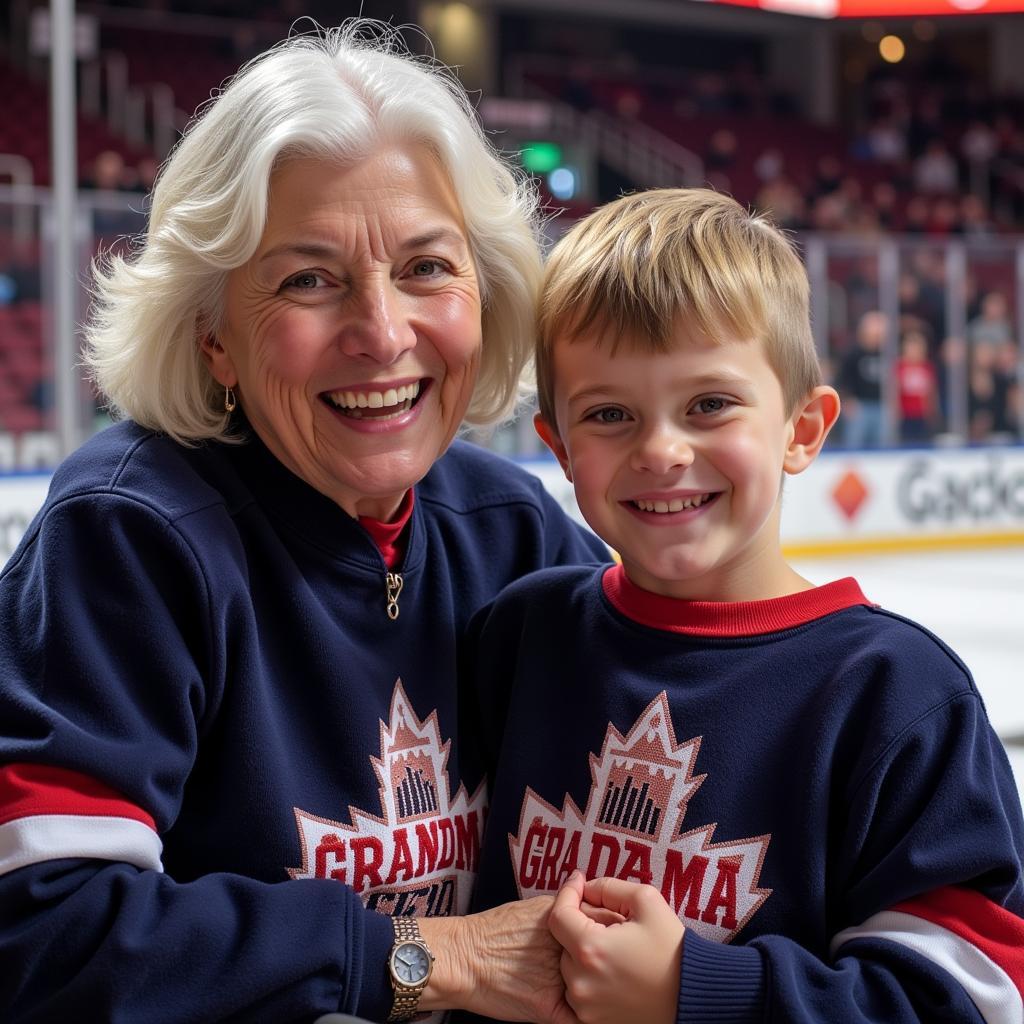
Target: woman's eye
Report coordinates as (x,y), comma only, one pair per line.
(304,281)
(427,268)
(609,415)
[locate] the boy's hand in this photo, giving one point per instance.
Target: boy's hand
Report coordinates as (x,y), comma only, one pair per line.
(622,946)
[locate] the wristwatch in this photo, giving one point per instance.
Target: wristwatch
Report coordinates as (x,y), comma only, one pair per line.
(409,965)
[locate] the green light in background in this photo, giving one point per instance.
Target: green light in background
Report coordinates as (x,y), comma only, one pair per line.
(541,157)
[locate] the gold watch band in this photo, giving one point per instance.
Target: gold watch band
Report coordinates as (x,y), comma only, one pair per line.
(407,997)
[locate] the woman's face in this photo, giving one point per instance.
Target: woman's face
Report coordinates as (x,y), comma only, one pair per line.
(352,336)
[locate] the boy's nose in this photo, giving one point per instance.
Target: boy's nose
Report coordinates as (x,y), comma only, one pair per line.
(379,326)
(662,449)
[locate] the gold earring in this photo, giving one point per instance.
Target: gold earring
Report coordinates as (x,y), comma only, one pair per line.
(229,400)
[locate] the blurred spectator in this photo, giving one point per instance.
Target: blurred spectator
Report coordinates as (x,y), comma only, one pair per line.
(108,172)
(945,218)
(928,265)
(935,171)
(975,221)
(917,215)
(111,178)
(992,325)
(1006,369)
(861,285)
(979,143)
(828,173)
(979,146)
(862,221)
(886,142)
(721,151)
(885,200)
(914,314)
(783,202)
(917,389)
(769,165)
(859,382)
(145,177)
(828,213)
(983,400)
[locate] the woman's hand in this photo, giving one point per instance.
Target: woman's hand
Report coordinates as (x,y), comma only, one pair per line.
(622,948)
(501,963)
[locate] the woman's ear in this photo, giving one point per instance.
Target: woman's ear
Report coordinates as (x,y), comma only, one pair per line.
(220,363)
(549,435)
(811,422)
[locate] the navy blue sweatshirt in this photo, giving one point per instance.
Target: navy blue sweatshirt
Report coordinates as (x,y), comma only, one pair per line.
(221,761)
(811,782)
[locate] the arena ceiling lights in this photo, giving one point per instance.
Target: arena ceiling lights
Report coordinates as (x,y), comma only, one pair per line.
(879,8)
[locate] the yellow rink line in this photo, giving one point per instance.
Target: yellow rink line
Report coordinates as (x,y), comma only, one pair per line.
(890,544)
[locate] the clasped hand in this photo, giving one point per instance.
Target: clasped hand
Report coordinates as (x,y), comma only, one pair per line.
(600,952)
(621,949)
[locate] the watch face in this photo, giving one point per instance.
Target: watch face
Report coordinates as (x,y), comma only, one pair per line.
(410,963)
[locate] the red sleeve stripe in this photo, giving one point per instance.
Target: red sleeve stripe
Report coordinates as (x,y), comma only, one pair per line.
(987,926)
(27,790)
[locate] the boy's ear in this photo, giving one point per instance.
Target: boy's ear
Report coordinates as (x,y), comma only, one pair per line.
(811,422)
(221,365)
(549,435)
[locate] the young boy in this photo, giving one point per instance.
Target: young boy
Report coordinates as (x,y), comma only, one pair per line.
(827,827)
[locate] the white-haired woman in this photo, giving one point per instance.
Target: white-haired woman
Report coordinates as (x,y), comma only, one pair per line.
(230,777)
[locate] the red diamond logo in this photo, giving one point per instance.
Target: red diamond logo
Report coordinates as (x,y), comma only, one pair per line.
(849,494)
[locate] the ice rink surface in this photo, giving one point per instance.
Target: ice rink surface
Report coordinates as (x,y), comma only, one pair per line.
(971,599)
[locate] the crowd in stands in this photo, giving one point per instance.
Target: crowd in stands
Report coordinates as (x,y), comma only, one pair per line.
(924,158)
(907,384)
(929,161)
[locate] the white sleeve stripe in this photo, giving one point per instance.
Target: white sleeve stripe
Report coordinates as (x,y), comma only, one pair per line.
(42,837)
(989,986)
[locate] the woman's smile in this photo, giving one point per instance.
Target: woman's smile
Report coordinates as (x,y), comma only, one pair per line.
(353,335)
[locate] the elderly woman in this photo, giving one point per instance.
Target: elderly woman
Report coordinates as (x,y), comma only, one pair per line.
(228,782)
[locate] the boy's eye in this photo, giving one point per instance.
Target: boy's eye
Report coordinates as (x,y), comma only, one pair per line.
(609,414)
(710,405)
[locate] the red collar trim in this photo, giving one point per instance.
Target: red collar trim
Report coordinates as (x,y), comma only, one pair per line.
(388,536)
(728,618)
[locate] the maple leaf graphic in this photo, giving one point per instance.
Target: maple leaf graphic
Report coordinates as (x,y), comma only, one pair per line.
(419,855)
(631,828)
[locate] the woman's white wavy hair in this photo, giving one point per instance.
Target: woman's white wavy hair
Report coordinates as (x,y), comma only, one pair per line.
(336,94)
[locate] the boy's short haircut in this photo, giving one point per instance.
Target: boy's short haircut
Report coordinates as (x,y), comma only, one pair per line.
(637,269)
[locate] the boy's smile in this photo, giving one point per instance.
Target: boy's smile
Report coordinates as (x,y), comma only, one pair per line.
(677,459)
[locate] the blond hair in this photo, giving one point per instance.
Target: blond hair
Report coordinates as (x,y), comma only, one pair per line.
(640,268)
(336,95)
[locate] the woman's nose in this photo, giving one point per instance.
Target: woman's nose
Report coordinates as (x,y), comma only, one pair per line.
(379,327)
(661,449)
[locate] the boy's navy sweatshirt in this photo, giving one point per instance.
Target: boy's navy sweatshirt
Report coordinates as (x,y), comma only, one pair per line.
(811,782)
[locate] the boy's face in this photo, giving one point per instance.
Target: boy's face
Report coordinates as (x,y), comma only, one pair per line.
(677,460)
